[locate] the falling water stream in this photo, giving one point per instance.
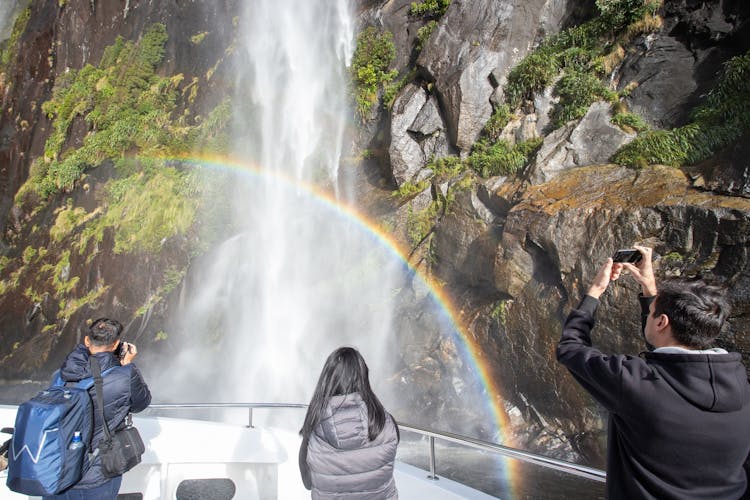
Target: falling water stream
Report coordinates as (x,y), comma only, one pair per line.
(300,275)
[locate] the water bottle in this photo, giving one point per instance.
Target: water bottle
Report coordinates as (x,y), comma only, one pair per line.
(76,442)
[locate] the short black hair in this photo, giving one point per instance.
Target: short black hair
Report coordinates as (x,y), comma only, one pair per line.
(697,311)
(104,331)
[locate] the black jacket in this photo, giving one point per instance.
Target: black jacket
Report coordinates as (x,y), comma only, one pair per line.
(679,424)
(123,391)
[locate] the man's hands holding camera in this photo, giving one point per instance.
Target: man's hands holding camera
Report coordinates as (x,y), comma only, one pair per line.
(642,271)
(126,352)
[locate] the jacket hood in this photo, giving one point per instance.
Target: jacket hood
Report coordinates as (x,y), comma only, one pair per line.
(76,365)
(712,382)
(344,424)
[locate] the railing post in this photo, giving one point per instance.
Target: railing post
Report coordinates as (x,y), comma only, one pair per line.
(250,418)
(432,475)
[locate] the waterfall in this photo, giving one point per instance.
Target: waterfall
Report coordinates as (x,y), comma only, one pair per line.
(299,275)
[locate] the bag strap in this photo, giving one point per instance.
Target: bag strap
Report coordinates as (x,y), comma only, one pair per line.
(96,370)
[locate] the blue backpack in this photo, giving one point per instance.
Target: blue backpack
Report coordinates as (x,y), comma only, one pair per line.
(44,458)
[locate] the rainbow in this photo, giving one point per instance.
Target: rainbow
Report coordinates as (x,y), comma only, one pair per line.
(465,342)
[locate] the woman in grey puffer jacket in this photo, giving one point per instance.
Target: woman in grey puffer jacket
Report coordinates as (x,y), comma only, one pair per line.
(348,439)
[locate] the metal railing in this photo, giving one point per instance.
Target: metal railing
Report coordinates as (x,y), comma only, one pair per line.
(506,451)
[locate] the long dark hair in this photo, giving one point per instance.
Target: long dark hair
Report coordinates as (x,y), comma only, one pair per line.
(344,372)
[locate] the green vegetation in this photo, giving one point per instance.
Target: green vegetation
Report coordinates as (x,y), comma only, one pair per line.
(128,110)
(419,223)
(429,8)
(500,312)
(61,275)
(619,14)
(581,57)
(172,278)
(125,104)
(148,207)
(424,33)
(719,121)
(578,90)
(68,219)
(629,122)
(531,75)
(410,189)
(10,51)
(68,307)
(392,88)
(501,158)
(198,39)
(29,254)
(371,61)
(489,158)
(501,115)
(448,167)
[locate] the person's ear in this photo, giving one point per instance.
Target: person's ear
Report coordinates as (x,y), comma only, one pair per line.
(114,346)
(87,341)
(662,322)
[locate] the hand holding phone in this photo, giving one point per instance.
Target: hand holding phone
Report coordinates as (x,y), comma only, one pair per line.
(629,255)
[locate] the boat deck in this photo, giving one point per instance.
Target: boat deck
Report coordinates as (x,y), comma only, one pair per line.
(212,459)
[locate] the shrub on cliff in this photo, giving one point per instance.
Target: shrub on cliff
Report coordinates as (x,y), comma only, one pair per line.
(580,58)
(371,61)
(429,8)
(124,103)
(715,124)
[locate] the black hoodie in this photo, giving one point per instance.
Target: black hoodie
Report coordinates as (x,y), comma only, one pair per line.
(679,424)
(123,391)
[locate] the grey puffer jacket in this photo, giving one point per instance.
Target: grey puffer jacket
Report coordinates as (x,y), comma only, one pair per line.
(341,461)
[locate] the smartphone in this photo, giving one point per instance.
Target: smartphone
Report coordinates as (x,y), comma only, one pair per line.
(630,255)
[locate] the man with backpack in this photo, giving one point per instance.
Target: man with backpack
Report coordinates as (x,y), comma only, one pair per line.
(124,391)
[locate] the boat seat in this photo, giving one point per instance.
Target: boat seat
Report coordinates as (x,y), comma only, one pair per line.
(206,489)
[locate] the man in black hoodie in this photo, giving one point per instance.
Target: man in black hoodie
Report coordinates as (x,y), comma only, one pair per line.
(123,391)
(679,416)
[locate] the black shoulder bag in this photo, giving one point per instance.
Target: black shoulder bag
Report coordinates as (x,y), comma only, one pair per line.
(122,450)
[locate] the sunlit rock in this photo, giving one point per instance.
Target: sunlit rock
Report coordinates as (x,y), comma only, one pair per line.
(590,141)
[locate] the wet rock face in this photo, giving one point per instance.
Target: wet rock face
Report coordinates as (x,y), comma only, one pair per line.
(592,140)
(472,51)
(61,36)
(728,173)
(672,69)
(552,243)
(521,266)
(661,100)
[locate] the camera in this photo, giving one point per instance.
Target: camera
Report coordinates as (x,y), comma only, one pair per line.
(122,349)
(630,255)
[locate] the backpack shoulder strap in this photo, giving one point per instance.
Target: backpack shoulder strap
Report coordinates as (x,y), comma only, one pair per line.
(88,382)
(96,369)
(57,380)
